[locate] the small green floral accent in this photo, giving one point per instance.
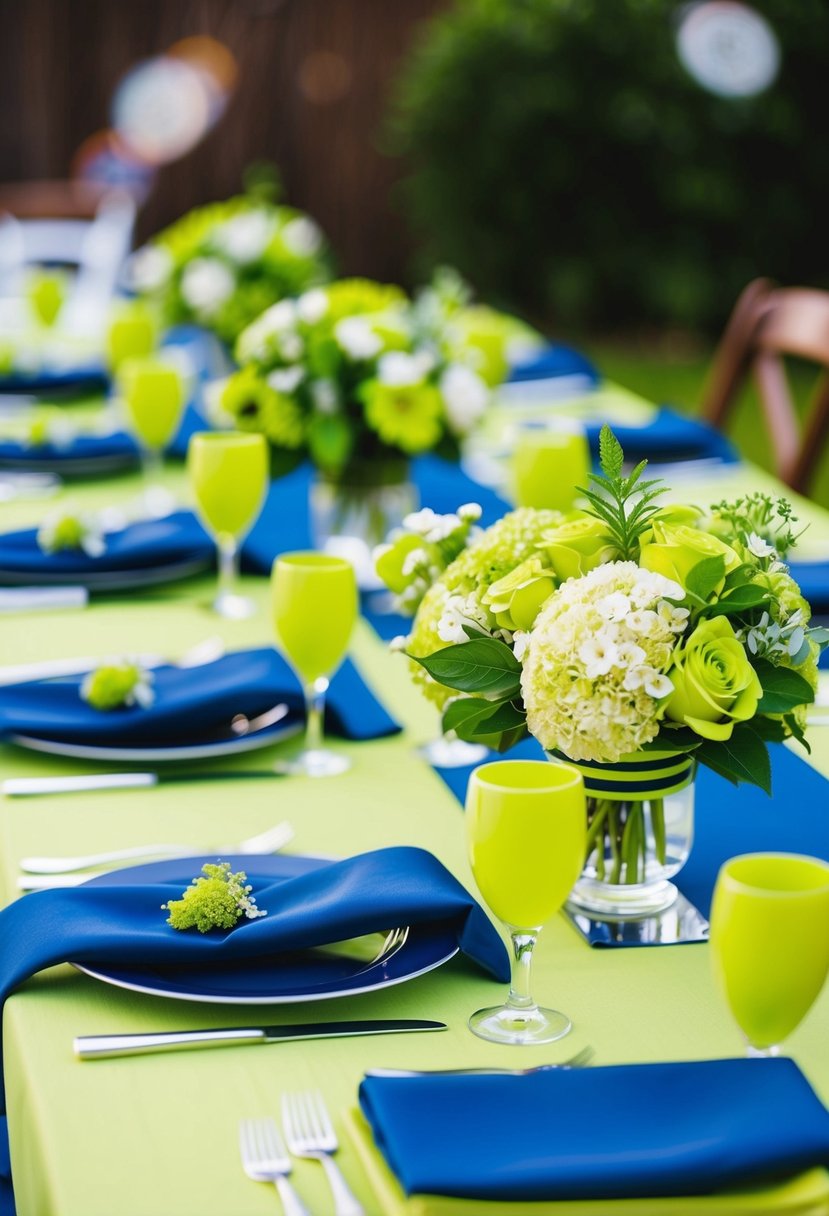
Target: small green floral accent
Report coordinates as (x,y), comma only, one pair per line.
(82,532)
(217,899)
(115,685)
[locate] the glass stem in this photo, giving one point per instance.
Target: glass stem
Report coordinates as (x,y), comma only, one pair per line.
(314,711)
(152,465)
(520,991)
(228,565)
(761,1053)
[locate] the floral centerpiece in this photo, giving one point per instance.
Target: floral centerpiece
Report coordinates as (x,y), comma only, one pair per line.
(633,640)
(222,264)
(361,378)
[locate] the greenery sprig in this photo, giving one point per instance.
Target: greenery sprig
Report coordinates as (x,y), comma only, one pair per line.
(624,504)
(217,899)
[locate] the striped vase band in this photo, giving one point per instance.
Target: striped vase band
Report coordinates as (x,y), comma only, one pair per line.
(649,775)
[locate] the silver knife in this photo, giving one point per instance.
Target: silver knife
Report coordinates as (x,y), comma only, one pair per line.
(104,1046)
(19,787)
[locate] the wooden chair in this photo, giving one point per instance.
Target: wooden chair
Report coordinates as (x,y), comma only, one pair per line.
(768,324)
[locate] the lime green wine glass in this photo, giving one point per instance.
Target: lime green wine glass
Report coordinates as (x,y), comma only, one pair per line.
(526,827)
(153,393)
(770,942)
(132,333)
(229,476)
(549,464)
(314,610)
(46,293)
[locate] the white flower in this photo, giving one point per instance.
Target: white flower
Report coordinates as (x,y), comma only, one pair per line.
(398,644)
(212,394)
(149,268)
(245,237)
(356,337)
(285,379)
(469,512)
(614,607)
(312,306)
(598,656)
(520,643)
(450,625)
(398,368)
(658,685)
(414,559)
(302,237)
(324,396)
(465,396)
(759,547)
(629,655)
(206,284)
(290,346)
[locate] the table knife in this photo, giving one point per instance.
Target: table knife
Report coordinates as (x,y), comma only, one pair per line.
(18,787)
(104,1046)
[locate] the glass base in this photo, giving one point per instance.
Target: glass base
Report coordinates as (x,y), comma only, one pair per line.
(762,1053)
(233,607)
(453,753)
(505,1024)
(617,901)
(316,763)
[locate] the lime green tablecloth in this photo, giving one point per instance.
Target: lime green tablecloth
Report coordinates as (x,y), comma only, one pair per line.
(157,1136)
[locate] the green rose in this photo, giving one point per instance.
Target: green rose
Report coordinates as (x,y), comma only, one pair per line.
(714,683)
(515,600)
(674,549)
(578,546)
(389,560)
(678,513)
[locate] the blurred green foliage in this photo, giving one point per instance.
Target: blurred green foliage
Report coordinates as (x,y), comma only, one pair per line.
(563,159)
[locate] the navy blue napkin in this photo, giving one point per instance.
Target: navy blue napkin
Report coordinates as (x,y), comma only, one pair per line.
(728,819)
(813,580)
(80,377)
(668,436)
(551,362)
(189,704)
(599,1133)
(144,545)
(123,924)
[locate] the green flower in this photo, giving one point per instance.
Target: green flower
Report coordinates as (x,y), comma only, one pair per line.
(674,549)
(217,900)
(715,686)
(72,532)
(255,406)
(517,598)
(786,597)
(577,546)
(349,297)
(405,416)
(114,685)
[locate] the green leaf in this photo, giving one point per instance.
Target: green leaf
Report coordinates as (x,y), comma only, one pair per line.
(466,711)
(611,456)
(740,600)
(704,576)
(679,738)
(743,757)
(771,730)
(482,665)
(503,717)
(797,730)
(783,688)
(474,631)
(330,440)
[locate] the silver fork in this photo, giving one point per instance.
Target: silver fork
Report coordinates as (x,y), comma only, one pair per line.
(264,1159)
(580,1060)
(310,1133)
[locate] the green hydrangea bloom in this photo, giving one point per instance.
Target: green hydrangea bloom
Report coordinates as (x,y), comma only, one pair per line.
(255,406)
(217,899)
(349,297)
(500,548)
(113,685)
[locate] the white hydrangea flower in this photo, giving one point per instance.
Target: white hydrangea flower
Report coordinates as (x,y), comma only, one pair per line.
(302,237)
(465,397)
(356,337)
(290,346)
(595,687)
(759,547)
(149,268)
(312,306)
(520,643)
(469,512)
(206,284)
(245,237)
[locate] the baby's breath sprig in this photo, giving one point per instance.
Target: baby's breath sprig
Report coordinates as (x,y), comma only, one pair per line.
(216,899)
(623,503)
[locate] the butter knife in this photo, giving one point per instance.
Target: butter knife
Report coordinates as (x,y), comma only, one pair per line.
(21,787)
(104,1046)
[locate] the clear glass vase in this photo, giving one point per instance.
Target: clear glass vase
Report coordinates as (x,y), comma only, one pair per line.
(640,828)
(351,516)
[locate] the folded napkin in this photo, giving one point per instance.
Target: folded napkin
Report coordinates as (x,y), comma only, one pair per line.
(191,703)
(634,1130)
(551,362)
(47,379)
(813,580)
(144,545)
(336,901)
(667,436)
(116,446)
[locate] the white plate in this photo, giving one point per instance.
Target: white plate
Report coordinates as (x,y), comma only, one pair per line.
(228,746)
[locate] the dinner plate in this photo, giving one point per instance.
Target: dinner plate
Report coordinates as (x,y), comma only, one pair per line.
(279,979)
(227,745)
(108,580)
